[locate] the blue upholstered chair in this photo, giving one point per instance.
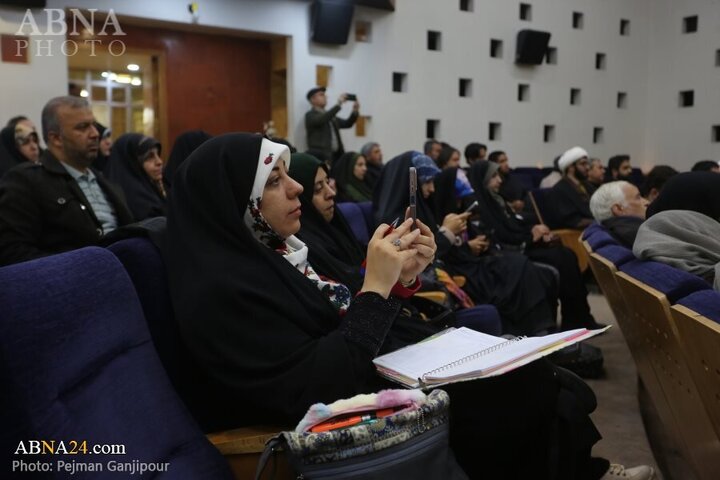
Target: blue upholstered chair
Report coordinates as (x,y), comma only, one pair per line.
(671,282)
(367,210)
(78,363)
(616,254)
(146,269)
(592,229)
(697,317)
(481,318)
(600,238)
(649,289)
(356,219)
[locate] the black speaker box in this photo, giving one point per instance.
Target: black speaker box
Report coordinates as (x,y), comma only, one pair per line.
(531,47)
(331,20)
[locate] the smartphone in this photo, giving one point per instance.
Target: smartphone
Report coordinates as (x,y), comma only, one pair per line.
(472,207)
(413,195)
(351,97)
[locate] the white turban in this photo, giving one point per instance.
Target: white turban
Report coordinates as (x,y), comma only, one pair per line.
(571,156)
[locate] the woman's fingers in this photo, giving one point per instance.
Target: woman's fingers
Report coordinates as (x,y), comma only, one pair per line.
(400,230)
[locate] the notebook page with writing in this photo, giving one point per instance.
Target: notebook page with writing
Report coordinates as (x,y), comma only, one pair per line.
(416,360)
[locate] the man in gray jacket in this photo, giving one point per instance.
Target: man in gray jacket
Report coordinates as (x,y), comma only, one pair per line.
(323,126)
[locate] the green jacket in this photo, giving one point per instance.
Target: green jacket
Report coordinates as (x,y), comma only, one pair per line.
(318,125)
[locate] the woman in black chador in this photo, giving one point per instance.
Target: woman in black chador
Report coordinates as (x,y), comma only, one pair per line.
(276,337)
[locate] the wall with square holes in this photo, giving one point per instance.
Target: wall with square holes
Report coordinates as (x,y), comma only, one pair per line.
(628,106)
(683,123)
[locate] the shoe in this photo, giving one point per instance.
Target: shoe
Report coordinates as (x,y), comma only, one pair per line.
(617,472)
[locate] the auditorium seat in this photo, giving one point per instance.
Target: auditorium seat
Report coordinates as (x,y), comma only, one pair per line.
(242,447)
(356,219)
(367,210)
(599,239)
(78,363)
(649,288)
(697,317)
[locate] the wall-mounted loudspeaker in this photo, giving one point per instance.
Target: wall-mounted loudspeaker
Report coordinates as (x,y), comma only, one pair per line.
(531,47)
(331,20)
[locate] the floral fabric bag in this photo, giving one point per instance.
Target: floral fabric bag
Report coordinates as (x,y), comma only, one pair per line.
(394,434)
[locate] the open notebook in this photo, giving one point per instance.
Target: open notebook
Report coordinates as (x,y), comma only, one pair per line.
(461,354)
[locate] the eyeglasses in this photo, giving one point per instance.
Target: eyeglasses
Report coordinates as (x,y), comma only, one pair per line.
(24,141)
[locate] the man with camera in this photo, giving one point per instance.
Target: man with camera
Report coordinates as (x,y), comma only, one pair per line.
(323,126)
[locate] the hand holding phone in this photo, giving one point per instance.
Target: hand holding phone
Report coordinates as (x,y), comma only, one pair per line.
(472,207)
(413,195)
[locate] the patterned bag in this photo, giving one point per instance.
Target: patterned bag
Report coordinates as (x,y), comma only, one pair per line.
(413,442)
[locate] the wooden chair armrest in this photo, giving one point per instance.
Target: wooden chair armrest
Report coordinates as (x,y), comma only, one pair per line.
(243,440)
(435,296)
(460,280)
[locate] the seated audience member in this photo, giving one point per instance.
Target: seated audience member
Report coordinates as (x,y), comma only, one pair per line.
(683,239)
(572,199)
(553,177)
(534,241)
(619,168)
(596,175)
(20,144)
(449,157)
(620,208)
(474,152)
(304,339)
(185,144)
(511,189)
(349,173)
(510,282)
(374,159)
(135,165)
(105,145)
(706,166)
(697,191)
(432,149)
(655,181)
(60,203)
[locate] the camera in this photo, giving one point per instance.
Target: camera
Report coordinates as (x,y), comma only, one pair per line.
(351,96)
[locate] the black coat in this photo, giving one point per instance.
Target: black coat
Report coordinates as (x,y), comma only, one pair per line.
(571,207)
(43,211)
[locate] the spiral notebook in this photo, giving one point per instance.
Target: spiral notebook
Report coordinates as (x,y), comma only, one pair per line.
(461,354)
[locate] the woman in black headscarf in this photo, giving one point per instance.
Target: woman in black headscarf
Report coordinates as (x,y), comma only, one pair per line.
(18,144)
(185,144)
(697,191)
(323,225)
(273,336)
(349,173)
(511,232)
(509,282)
(135,166)
(104,147)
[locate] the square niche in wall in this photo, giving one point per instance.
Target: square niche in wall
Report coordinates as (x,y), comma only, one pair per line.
(399,82)
(600,61)
(575,96)
(363,31)
(624,27)
(525,11)
(598,134)
(432,128)
(548,133)
(494,130)
(622,100)
(434,40)
(465,87)
(716,133)
(551,56)
(523,92)
(717,58)
(687,98)
(690,24)
(496,48)
(467,5)
(578,20)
